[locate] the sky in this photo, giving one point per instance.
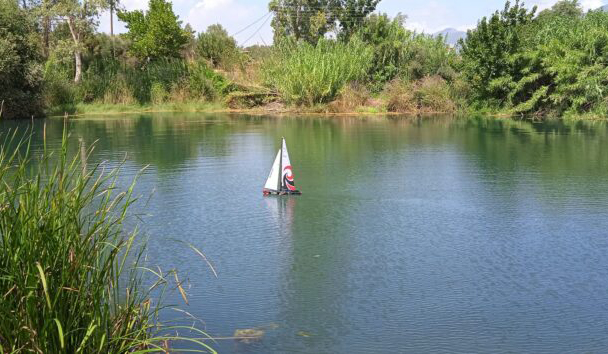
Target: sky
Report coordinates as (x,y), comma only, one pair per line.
(239,16)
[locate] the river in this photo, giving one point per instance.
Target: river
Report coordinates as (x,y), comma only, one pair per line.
(412,235)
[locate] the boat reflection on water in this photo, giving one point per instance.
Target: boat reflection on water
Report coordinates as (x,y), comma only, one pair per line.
(281,212)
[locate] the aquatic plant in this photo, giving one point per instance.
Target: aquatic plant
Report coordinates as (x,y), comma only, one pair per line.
(71,276)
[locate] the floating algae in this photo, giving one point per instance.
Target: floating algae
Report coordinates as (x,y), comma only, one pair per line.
(249,335)
(304,334)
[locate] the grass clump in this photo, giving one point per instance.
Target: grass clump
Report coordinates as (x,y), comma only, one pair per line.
(70,275)
(307,75)
(431,94)
(351,98)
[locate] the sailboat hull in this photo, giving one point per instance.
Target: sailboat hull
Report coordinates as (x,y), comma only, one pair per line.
(268,192)
(280,181)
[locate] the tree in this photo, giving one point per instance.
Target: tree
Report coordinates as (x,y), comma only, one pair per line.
(217,46)
(305,20)
(488,52)
(20,62)
(310,20)
(566,8)
(399,52)
(156,33)
(389,38)
(112,4)
(352,14)
(80,16)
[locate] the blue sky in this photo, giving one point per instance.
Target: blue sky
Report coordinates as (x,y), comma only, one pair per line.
(428,16)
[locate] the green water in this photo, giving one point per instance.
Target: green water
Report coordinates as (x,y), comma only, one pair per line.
(412,235)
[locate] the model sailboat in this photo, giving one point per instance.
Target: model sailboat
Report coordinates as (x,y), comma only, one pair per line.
(280,181)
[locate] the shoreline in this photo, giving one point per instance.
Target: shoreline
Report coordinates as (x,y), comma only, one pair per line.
(93,109)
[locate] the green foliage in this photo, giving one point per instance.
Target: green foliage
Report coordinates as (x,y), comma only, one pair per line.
(20,63)
(310,20)
(555,62)
(117,82)
(574,53)
(351,15)
(403,53)
(389,40)
(156,33)
(306,75)
(217,46)
(70,275)
(488,52)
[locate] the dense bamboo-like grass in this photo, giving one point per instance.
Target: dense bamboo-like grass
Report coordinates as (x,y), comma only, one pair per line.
(70,275)
(307,75)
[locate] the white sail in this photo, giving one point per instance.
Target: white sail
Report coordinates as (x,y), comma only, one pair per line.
(272,183)
(287,181)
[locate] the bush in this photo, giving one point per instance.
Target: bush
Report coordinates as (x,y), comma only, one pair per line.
(431,94)
(307,75)
(399,52)
(158,94)
(351,97)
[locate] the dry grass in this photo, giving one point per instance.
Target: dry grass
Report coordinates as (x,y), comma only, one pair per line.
(352,97)
(431,94)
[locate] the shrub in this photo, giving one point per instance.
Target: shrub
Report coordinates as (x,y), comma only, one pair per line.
(351,97)
(158,94)
(399,52)
(431,94)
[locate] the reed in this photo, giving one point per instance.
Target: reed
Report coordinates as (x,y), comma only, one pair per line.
(307,75)
(71,277)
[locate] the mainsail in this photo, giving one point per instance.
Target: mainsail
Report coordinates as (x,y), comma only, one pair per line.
(272,183)
(287,172)
(280,180)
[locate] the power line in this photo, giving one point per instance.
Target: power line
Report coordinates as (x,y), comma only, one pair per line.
(256,32)
(251,24)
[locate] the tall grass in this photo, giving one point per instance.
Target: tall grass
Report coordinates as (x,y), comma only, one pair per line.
(307,75)
(70,275)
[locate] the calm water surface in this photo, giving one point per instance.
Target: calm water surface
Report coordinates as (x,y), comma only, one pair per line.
(413,235)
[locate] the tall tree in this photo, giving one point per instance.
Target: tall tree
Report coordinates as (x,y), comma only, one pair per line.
(305,20)
(487,53)
(352,14)
(112,4)
(310,20)
(20,62)
(217,45)
(156,33)
(80,16)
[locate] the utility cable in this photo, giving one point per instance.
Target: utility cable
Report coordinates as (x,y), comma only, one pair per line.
(258,30)
(251,24)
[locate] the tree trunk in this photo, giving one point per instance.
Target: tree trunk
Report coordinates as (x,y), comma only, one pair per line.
(112,18)
(77,53)
(46,29)
(78,61)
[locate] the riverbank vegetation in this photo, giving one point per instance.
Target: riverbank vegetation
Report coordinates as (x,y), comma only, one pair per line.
(339,56)
(71,276)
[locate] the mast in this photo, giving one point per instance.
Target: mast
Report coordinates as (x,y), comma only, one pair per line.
(279,184)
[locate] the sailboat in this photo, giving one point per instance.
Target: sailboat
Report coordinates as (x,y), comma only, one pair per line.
(280,181)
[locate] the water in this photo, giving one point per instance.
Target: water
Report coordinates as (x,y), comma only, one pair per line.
(413,235)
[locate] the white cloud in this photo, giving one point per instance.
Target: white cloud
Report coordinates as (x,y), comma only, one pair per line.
(591,4)
(586,4)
